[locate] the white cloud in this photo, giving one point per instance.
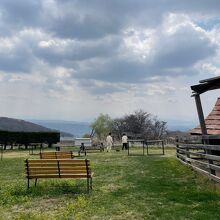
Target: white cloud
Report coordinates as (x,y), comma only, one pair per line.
(209,68)
(139,43)
(80,58)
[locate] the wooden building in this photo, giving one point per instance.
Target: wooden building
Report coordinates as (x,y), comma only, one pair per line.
(204,157)
(210,126)
(212,122)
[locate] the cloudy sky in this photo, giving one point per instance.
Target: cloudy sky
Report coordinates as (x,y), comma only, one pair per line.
(72,60)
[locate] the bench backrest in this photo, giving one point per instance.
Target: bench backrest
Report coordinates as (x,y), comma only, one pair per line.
(57,155)
(60,168)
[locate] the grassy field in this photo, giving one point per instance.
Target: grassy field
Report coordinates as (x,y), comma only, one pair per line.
(135,187)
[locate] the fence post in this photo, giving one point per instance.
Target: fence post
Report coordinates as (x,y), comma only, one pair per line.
(177,146)
(147,147)
(206,141)
(187,153)
(1,151)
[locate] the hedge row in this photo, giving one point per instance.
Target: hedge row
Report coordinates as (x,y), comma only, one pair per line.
(25,138)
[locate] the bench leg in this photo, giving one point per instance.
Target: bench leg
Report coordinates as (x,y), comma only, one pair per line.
(35,182)
(28,183)
(91,183)
(88,185)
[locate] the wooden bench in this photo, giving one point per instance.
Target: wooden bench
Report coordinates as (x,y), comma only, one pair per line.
(59,168)
(57,155)
(85,150)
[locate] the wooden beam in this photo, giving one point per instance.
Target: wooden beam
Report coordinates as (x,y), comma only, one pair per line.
(200,114)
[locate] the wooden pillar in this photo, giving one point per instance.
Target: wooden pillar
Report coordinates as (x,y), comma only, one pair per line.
(200,114)
(203,127)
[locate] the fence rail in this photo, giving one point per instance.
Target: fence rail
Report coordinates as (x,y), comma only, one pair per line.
(201,157)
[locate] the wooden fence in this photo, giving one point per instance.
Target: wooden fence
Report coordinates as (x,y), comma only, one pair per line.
(201,157)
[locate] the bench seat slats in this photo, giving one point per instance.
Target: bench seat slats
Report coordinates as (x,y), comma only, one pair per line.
(60,157)
(35,173)
(59,168)
(55,160)
(57,172)
(58,176)
(57,155)
(53,165)
(55,168)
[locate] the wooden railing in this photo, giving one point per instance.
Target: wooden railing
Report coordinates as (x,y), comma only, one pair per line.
(201,157)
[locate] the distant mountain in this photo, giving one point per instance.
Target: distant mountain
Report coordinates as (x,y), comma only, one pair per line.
(71,128)
(65,134)
(11,124)
(178,125)
(78,129)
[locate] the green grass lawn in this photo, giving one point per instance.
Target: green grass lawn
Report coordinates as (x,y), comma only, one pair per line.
(135,187)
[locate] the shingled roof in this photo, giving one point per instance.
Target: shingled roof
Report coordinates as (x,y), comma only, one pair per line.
(212,121)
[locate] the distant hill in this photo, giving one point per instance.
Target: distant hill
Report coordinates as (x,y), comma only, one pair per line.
(178,134)
(78,129)
(71,128)
(66,134)
(11,124)
(181,125)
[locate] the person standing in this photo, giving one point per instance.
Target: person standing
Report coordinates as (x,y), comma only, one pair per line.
(109,142)
(124,142)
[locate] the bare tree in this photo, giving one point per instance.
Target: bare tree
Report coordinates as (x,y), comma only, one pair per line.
(139,124)
(158,129)
(118,127)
